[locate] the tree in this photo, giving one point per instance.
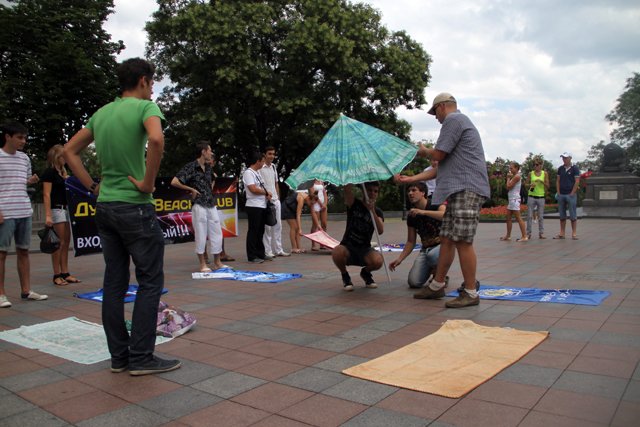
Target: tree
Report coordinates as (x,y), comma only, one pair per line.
(251,74)
(57,66)
(626,115)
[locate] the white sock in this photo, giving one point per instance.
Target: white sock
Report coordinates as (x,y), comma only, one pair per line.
(436,286)
(473,293)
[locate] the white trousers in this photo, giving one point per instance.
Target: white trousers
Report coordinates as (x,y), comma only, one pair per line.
(272,238)
(206,224)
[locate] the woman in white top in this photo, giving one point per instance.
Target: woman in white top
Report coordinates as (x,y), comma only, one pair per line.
(320,208)
(514,182)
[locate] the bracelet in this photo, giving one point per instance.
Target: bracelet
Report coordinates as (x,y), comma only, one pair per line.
(93,186)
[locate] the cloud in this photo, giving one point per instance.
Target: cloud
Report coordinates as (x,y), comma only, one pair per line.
(534,76)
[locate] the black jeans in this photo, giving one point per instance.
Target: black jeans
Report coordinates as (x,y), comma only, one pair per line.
(130,231)
(255,246)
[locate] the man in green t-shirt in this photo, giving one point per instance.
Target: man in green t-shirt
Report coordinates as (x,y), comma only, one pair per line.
(125,214)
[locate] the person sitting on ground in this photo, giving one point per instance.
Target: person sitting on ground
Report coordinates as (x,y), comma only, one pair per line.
(514,182)
(355,247)
(424,219)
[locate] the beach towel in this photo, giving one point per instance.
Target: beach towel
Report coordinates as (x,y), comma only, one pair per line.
(451,362)
(246,276)
(71,338)
(97,296)
(558,296)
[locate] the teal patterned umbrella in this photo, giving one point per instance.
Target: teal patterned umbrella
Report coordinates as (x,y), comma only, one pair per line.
(352,153)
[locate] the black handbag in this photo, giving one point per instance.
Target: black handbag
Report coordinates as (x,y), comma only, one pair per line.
(49,240)
(270,217)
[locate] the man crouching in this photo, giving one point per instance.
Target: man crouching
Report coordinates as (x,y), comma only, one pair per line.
(355,247)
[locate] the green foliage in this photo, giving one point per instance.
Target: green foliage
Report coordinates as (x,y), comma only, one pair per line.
(250,74)
(594,158)
(57,68)
(626,115)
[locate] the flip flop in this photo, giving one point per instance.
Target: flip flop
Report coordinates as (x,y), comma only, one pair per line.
(205,270)
(558,237)
(221,266)
(505,239)
(523,239)
(574,237)
(227,259)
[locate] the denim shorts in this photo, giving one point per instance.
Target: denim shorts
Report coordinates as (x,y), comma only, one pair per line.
(59,215)
(567,200)
(18,229)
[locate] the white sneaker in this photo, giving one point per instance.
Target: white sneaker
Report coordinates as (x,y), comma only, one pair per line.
(269,255)
(33,296)
(283,253)
(4,302)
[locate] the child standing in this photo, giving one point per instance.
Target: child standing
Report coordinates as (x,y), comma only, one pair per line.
(514,182)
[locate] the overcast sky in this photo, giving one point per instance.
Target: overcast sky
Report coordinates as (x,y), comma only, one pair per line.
(534,76)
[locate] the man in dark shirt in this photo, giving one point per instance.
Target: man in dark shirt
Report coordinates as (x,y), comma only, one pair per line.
(355,247)
(424,219)
(567,184)
(196,177)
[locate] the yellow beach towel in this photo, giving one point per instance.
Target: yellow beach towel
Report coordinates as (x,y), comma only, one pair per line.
(451,362)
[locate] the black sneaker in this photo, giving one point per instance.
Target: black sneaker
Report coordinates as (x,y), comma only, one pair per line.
(154,366)
(368,279)
(118,366)
(346,282)
(461,288)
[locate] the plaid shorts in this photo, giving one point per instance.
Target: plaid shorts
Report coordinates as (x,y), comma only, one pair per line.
(461,217)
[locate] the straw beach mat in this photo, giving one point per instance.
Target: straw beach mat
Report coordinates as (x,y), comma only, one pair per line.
(451,362)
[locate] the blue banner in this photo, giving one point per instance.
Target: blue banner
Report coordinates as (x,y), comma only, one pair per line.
(558,296)
(130,296)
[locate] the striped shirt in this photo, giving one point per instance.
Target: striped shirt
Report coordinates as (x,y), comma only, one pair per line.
(464,167)
(15,169)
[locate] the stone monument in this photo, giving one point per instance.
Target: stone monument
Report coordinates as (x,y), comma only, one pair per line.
(612,191)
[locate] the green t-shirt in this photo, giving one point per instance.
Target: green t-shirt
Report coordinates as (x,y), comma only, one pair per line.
(120,136)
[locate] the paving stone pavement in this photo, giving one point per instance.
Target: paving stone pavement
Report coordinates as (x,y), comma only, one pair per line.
(272,354)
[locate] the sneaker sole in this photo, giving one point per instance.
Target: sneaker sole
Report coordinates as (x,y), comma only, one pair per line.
(371,286)
(463,305)
(348,288)
(118,370)
(138,372)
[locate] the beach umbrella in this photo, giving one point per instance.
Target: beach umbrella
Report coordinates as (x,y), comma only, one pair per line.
(353,152)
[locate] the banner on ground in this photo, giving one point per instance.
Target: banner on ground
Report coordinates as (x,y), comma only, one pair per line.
(173,207)
(558,296)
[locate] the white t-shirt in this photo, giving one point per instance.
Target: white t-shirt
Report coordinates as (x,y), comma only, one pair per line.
(15,170)
(253,200)
(430,183)
(269,176)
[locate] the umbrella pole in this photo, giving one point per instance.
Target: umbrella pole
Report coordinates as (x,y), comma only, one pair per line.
(384,262)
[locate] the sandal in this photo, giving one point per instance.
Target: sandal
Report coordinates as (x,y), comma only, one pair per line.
(227,259)
(58,280)
(505,239)
(574,237)
(69,278)
(295,251)
(558,237)
(540,237)
(522,239)
(205,270)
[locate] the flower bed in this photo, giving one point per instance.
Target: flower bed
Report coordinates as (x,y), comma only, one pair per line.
(500,212)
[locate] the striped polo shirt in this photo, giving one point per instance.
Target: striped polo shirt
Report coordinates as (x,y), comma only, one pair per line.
(464,167)
(15,169)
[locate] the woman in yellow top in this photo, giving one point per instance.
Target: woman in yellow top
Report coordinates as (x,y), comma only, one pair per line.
(538,184)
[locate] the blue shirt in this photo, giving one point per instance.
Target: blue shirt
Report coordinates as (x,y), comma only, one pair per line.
(464,167)
(568,178)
